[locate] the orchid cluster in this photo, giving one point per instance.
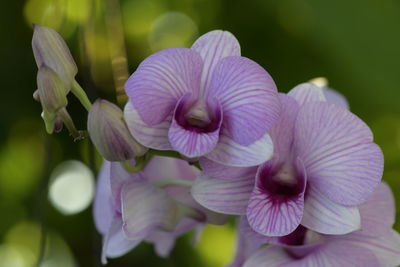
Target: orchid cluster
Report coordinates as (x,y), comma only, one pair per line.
(205,135)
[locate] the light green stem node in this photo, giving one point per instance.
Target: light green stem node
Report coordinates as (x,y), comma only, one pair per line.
(78,91)
(141,163)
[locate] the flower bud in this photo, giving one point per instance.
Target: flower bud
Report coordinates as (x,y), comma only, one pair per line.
(50,49)
(51,90)
(109,133)
(52,94)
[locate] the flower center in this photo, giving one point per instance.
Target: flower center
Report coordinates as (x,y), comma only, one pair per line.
(281,181)
(198,115)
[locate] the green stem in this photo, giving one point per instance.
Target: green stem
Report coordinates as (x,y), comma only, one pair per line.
(173,182)
(165,153)
(78,91)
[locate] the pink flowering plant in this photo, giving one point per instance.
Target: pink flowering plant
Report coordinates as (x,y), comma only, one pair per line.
(204,136)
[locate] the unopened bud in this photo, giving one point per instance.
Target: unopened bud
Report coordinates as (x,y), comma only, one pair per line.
(51,90)
(50,49)
(109,133)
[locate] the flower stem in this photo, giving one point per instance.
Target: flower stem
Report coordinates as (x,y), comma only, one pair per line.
(78,91)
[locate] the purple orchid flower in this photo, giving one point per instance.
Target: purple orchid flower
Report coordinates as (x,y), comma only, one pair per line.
(324,165)
(154,205)
(375,244)
(204,101)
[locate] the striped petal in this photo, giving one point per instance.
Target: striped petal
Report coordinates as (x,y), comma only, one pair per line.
(229,152)
(282,132)
(248,97)
(214,169)
(229,196)
(247,244)
(337,150)
(160,80)
(103,208)
(164,241)
(164,168)
(335,254)
(118,177)
(385,247)
(307,92)
(155,137)
(269,257)
(192,141)
(334,97)
(326,217)
(115,242)
(145,208)
(212,47)
(276,209)
(378,212)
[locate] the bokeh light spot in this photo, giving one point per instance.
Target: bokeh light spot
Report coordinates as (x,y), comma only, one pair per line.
(78,10)
(21,160)
(172,29)
(21,248)
(217,244)
(138,16)
(72,187)
(45,12)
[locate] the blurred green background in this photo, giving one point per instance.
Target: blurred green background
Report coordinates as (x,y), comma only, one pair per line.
(354,44)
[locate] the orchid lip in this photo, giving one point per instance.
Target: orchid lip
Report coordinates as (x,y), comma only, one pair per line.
(198,115)
(296,238)
(281,182)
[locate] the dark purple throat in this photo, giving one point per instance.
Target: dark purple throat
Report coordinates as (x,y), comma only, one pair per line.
(281,181)
(198,115)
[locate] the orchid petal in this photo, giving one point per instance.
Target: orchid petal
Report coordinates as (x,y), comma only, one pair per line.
(118,178)
(223,195)
(155,137)
(271,213)
(248,243)
(326,217)
(254,237)
(145,207)
(115,242)
(163,242)
(337,150)
(217,170)
(334,97)
(103,208)
(228,152)
(378,212)
(212,47)
(307,92)
(248,97)
(282,132)
(273,256)
(160,80)
(335,254)
(385,247)
(164,168)
(194,143)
